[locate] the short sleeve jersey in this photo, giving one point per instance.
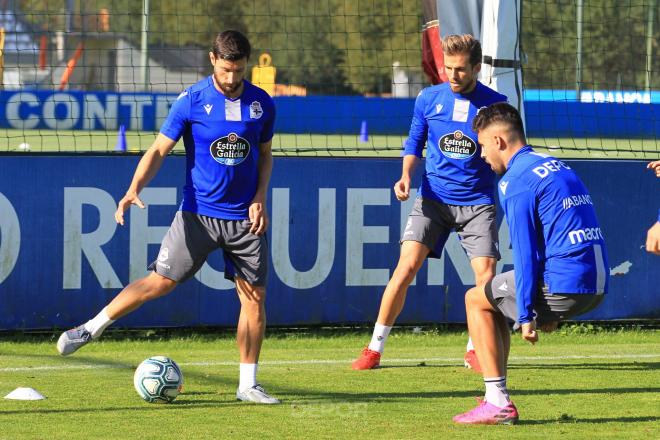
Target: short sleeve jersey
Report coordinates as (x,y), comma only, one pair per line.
(221,137)
(555,235)
(455,174)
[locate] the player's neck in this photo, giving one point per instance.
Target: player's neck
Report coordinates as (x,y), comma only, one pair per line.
(233,95)
(511,151)
(237,93)
(470,89)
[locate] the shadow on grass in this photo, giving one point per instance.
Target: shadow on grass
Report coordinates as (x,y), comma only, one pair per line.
(87,363)
(577,420)
(176,405)
(633,366)
(320,396)
(418,365)
(225,384)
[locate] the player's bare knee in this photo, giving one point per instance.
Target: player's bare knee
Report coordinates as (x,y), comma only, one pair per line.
(254,308)
(249,293)
(405,272)
(474,297)
(155,286)
(469,296)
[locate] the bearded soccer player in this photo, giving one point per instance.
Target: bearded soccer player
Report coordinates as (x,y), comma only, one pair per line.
(227,127)
(456,191)
(560,267)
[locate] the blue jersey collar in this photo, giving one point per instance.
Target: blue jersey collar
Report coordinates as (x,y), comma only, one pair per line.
(524,150)
(212,82)
(466,95)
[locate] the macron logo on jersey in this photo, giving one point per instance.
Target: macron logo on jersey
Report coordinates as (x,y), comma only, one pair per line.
(438,108)
(503,185)
(208,108)
(580,235)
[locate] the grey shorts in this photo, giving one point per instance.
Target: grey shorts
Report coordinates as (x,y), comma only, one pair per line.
(501,293)
(430,223)
(192,237)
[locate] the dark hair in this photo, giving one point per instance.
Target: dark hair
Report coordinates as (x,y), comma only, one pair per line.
(460,44)
(499,113)
(231,46)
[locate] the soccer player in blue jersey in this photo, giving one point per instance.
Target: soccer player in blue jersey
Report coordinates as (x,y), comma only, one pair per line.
(559,258)
(227,126)
(653,234)
(457,186)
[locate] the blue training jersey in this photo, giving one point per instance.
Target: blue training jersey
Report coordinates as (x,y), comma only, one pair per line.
(555,235)
(455,173)
(222,138)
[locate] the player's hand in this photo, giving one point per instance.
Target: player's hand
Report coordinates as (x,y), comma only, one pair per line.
(402,189)
(653,239)
(129,199)
(529,333)
(258,217)
(655,167)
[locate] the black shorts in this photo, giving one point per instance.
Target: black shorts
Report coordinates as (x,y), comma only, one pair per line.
(430,223)
(501,293)
(192,237)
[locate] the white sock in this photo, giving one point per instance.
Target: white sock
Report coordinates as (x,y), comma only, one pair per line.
(470,346)
(496,392)
(381,332)
(100,322)
(248,377)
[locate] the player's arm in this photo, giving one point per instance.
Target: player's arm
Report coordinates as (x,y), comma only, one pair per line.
(520,215)
(412,148)
(257,211)
(402,186)
(655,167)
(653,237)
(146,170)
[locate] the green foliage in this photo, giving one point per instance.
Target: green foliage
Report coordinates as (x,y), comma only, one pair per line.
(348,46)
(613,44)
(334,47)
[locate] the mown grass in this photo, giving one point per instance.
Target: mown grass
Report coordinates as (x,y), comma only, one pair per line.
(312,144)
(582,382)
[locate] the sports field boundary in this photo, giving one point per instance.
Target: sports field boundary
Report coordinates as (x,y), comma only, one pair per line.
(513,360)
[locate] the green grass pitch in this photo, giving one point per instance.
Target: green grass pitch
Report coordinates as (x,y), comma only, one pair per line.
(49,141)
(579,383)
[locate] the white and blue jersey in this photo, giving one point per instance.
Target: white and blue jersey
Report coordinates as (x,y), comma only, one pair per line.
(222,138)
(455,173)
(555,236)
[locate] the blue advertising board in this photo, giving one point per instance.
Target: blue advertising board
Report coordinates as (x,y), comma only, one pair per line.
(599,116)
(334,232)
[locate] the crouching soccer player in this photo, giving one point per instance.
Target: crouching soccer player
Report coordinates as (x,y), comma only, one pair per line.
(559,257)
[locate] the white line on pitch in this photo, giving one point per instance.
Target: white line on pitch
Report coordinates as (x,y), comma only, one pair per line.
(448,361)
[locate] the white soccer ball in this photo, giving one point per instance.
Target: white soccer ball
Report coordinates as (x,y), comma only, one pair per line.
(158,380)
(24,146)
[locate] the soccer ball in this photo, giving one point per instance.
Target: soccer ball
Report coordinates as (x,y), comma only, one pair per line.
(158,380)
